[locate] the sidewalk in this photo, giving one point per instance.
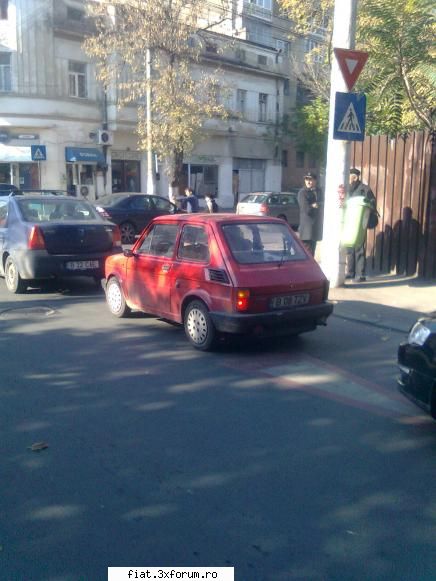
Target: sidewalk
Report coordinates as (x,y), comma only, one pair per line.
(388,301)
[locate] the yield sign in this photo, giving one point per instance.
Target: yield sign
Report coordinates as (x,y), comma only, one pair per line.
(351,63)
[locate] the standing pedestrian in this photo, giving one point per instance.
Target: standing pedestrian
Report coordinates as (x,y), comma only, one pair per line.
(356,257)
(192,205)
(311,202)
(211,204)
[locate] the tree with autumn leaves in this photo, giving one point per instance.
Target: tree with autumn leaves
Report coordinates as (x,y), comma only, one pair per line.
(183,94)
(400,75)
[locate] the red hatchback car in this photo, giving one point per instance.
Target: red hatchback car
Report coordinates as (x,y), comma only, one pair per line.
(220,273)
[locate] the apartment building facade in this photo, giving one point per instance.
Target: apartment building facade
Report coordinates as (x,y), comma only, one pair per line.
(50,98)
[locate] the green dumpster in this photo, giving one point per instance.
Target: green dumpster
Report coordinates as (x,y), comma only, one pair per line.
(357,210)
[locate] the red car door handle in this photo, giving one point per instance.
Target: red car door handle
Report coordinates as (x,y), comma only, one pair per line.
(166,267)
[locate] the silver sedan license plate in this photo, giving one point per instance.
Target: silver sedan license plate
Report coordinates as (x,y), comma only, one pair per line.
(82,264)
(289,301)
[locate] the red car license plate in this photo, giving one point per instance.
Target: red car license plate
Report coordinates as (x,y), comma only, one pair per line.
(289,301)
(82,264)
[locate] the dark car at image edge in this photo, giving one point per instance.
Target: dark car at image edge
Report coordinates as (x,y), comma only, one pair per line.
(417,363)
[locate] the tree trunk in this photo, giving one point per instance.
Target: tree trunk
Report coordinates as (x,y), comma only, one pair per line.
(176,176)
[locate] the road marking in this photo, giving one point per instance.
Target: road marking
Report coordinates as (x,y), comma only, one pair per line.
(336,384)
(326,381)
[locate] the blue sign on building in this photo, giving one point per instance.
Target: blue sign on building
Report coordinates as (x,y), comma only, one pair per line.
(83,154)
(349,120)
(38,152)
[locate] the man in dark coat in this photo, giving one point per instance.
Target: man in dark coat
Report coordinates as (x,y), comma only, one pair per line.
(192,205)
(356,257)
(311,202)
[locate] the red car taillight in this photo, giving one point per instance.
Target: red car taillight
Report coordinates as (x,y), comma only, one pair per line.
(36,239)
(116,236)
(242,300)
(263,209)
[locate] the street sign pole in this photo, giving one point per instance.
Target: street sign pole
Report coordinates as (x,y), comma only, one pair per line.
(338,152)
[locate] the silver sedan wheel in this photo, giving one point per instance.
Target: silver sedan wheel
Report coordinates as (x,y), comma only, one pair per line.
(13,280)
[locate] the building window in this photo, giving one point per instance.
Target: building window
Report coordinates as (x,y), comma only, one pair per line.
(263,102)
(126,176)
(211,48)
(75,14)
(262,3)
(284,158)
(299,159)
(5,71)
(77,79)
(260,33)
(241,101)
(241,54)
(286,87)
(315,49)
(261,59)
(4,9)
(282,46)
(303,94)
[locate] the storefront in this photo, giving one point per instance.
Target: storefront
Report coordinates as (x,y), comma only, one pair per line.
(126,171)
(202,178)
(126,176)
(83,166)
(17,167)
(250,174)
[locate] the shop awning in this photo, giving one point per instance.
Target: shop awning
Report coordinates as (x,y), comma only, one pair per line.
(10,153)
(83,155)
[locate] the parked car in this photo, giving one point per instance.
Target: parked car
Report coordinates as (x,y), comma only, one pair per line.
(220,273)
(7,189)
(46,192)
(417,362)
(132,212)
(44,237)
(282,205)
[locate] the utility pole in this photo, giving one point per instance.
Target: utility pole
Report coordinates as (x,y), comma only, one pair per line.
(338,152)
(150,165)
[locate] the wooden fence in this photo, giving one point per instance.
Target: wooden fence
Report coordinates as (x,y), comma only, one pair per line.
(402,174)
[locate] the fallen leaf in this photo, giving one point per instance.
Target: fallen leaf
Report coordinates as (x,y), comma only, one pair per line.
(38,446)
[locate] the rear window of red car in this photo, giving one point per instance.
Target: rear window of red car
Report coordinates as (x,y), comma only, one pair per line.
(261,242)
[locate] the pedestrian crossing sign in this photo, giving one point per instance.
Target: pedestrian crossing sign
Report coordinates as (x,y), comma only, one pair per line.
(38,152)
(349,120)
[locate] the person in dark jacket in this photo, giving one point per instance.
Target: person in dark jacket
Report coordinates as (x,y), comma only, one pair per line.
(356,257)
(311,202)
(192,205)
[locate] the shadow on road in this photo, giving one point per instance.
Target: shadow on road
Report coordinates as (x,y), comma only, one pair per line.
(159,455)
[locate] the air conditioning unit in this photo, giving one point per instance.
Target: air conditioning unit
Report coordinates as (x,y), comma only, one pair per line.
(105,137)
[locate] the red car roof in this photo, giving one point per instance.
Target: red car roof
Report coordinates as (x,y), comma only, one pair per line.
(215,218)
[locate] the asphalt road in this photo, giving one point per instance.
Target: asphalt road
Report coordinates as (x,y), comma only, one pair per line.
(289,459)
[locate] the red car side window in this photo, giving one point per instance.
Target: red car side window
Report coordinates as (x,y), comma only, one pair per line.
(194,244)
(160,241)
